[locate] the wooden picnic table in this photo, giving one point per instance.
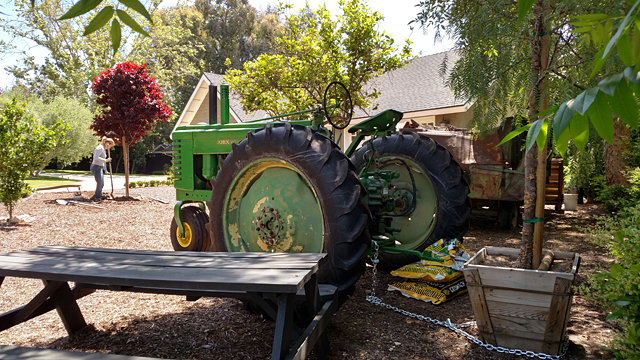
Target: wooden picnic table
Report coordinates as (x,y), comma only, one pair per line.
(271,280)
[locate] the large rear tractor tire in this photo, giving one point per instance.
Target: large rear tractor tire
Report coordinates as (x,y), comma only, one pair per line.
(288,189)
(442,206)
(196,237)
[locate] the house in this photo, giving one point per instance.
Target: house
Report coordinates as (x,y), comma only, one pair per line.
(197,109)
(417,90)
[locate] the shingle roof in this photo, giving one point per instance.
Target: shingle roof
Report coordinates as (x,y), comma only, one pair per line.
(416,86)
(234,100)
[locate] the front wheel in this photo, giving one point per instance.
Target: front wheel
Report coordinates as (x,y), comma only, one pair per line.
(196,237)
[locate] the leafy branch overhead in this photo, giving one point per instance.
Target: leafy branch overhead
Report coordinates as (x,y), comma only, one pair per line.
(110,13)
(314,50)
(616,94)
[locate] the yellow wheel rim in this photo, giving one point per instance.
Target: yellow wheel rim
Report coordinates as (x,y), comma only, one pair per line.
(186,240)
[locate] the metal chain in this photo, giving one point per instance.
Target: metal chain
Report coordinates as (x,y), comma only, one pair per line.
(455,327)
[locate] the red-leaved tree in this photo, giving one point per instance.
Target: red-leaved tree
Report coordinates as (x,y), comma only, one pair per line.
(131,104)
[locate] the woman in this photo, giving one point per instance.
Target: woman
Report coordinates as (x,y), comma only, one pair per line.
(99,160)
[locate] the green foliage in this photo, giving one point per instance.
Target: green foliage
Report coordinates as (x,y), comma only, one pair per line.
(614,95)
(496,55)
(108,13)
(174,53)
(618,197)
(68,118)
(585,169)
(133,184)
(69,66)
(619,288)
(314,50)
(236,31)
(21,141)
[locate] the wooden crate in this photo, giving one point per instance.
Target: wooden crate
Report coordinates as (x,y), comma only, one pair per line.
(518,308)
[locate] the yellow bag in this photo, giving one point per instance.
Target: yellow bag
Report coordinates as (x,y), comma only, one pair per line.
(449,253)
(424,272)
(430,291)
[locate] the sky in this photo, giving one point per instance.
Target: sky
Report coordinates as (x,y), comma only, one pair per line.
(397,14)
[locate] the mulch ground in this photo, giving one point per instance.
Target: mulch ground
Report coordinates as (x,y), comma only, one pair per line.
(167,326)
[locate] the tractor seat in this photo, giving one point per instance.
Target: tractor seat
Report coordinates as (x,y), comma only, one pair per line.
(384,121)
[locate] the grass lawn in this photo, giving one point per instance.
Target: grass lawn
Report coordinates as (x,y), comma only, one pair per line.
(42,181)
(70,172)
(82,172)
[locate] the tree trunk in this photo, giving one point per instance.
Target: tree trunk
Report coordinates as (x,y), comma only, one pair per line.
(525,257)
(614,165)
(125,153)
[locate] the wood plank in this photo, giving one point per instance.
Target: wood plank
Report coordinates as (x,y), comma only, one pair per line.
(284,325)
(47,306)
(314,332)
(35,303)
(479,305)
(191,254)
(17,352)
(512,252)
(262,280)
(508,324)
(518,343)
(556,325)
(177,259)
(68,309)
(478,258)
(155,263)
(518,310)
(518,297)
(543,281)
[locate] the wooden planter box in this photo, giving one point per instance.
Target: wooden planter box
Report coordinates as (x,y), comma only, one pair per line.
(518,308)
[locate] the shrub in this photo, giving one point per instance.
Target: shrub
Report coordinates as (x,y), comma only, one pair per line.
(132,184)
(618,290)
(617,197)
(153,183)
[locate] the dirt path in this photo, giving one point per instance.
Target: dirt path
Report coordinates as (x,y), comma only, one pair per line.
(169,327)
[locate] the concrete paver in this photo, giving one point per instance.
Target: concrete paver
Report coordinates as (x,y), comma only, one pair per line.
(88,183)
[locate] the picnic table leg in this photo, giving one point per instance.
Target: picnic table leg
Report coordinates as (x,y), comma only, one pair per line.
(67,308)
(1,280)
(284,325)
(314,305)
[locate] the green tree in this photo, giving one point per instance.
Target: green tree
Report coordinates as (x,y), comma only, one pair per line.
(175,52)
(73,60)
(314,50)
(73,118)
(21,142)
(513,67)
(235,31)
(69,119)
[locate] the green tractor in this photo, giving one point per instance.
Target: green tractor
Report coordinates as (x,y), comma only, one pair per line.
(285,186)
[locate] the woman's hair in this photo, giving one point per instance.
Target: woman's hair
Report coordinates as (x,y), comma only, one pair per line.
(106,140)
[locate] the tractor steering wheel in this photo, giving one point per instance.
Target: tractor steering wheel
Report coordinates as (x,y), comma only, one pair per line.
(339,109)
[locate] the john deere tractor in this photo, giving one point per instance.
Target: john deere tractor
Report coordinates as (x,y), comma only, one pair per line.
(285,186)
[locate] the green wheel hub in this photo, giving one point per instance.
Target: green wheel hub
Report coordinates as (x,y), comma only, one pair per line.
(418,224)
(270,206)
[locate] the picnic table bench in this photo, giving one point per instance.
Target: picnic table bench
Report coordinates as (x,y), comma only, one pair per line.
(270,280)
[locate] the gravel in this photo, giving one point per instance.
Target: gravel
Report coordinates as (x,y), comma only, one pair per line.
(167,326)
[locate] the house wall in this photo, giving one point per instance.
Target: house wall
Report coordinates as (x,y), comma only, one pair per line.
(457,116)
(202,115)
